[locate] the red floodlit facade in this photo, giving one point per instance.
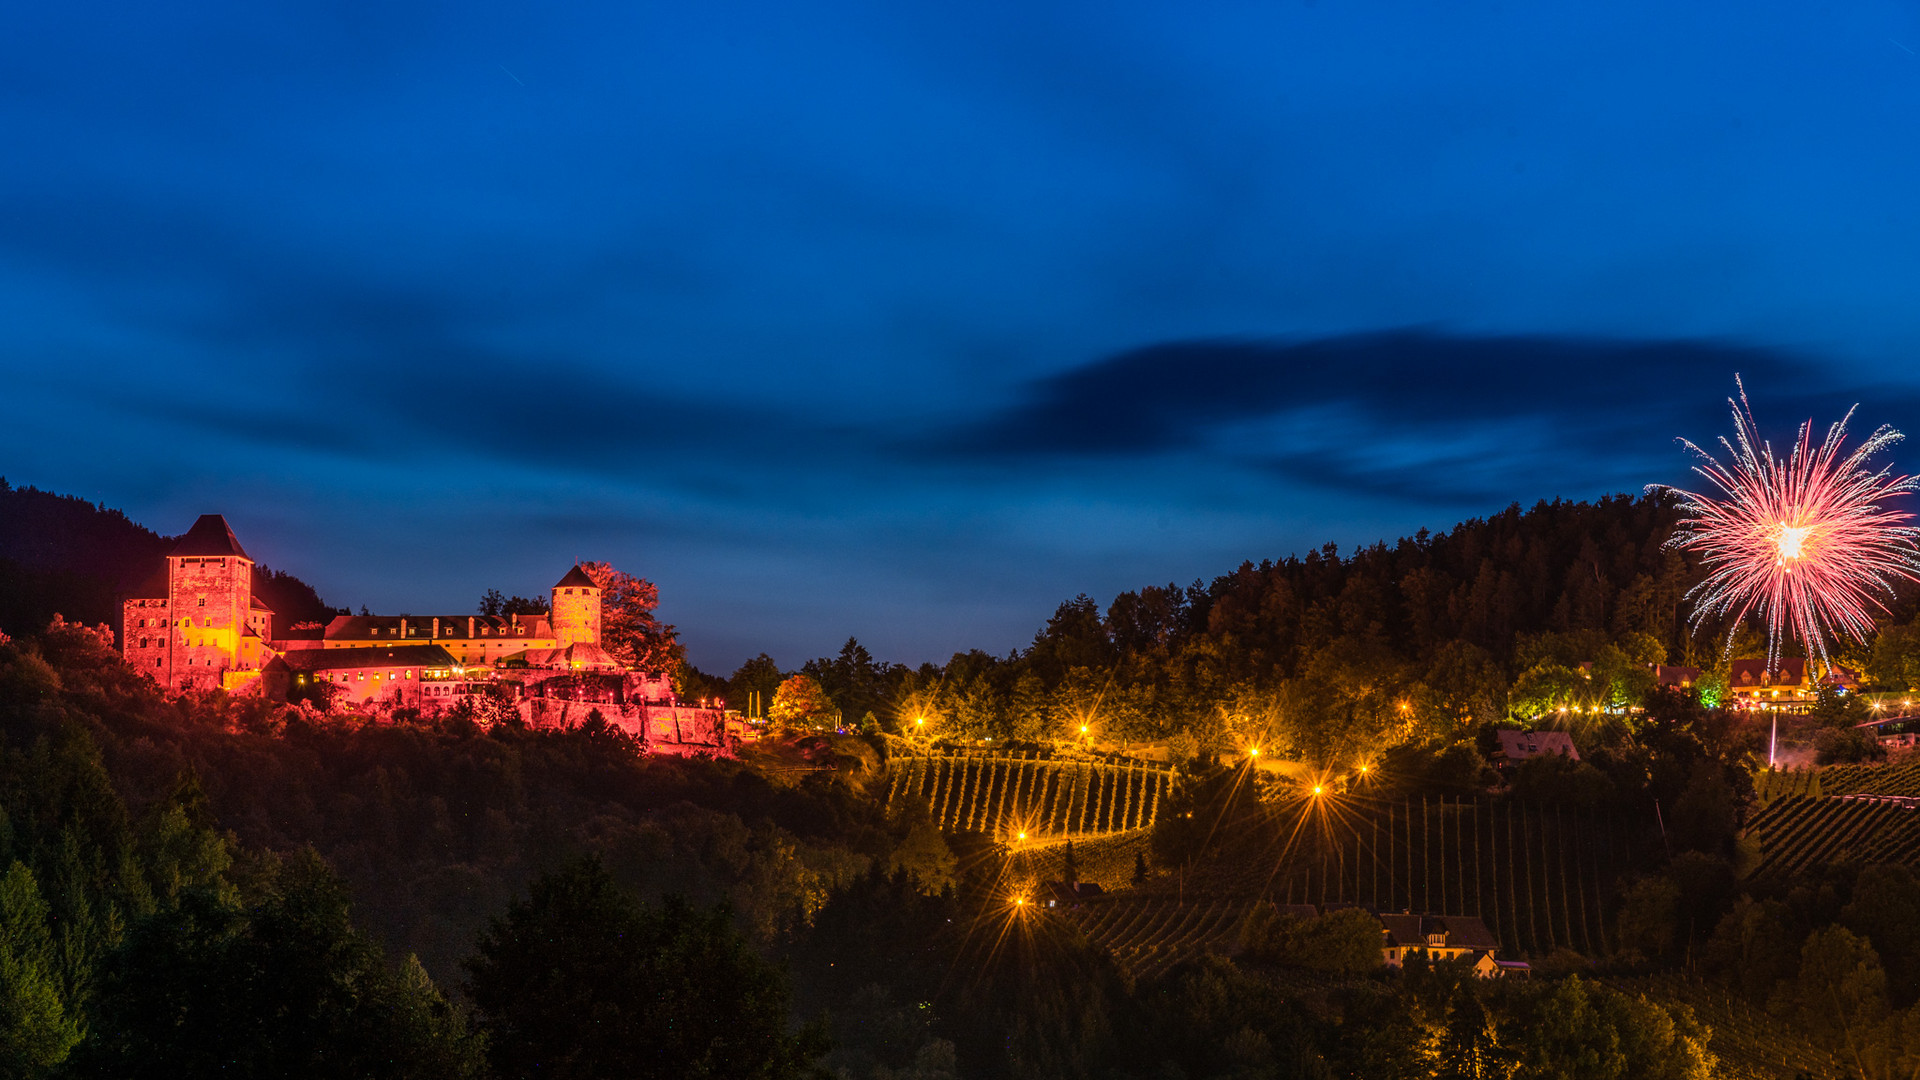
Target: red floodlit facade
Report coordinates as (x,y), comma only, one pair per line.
(196,625)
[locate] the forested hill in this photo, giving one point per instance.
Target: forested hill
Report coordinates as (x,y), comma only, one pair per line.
(1428,637)
(62,554)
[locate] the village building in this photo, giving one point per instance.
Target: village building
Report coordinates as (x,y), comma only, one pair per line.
(1518,746)
(1674,676)
(1788,681)
(196,625)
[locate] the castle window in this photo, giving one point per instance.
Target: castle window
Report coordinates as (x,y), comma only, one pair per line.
(569,592)
(202,602)
(156,661)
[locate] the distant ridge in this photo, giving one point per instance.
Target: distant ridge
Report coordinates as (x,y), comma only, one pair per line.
(62,554)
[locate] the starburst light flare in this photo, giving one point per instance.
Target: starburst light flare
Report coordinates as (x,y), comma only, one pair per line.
(1804,543)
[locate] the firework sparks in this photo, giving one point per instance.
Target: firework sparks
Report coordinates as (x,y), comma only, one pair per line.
(1805,543)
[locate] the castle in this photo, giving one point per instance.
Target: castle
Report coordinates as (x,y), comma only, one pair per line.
(196,625)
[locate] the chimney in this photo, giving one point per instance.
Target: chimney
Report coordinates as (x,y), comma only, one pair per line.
(436,627)
(403,626)
(469,626)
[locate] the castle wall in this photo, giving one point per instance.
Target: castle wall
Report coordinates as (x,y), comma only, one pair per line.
(665,729)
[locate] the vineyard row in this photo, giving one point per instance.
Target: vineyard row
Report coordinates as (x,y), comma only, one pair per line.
(1004,796)
(1540,877)
(1798,834)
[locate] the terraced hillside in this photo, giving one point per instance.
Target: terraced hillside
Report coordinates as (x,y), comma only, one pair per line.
(1541,877)
(1147,934)
(1798,833)
(1003,795)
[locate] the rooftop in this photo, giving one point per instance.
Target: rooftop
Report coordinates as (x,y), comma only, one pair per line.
(399,656)
(209,536)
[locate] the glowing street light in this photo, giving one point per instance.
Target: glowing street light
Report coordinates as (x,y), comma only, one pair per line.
(1317,789)
(1255,752)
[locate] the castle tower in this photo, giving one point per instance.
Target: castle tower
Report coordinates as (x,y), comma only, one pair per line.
(576,610)
(203,629)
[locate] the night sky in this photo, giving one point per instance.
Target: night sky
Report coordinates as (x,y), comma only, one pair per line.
(863,319)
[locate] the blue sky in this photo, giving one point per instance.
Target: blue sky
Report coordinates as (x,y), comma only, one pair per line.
(910,323)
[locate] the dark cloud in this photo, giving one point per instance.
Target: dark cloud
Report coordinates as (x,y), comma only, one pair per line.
(1171,396)
(1412,414)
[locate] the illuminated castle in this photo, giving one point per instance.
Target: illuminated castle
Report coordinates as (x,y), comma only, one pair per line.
(198,626)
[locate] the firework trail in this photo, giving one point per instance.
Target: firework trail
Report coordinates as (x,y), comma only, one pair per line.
(1804,542)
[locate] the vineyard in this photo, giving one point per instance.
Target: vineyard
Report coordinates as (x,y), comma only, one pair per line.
(1146,935)
(1003,795)
(1890,778)
(1541,877)
(1798,834)
(1750,1044)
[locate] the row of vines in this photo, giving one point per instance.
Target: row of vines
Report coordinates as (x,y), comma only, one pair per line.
(1005,795)
(1148,935)
(1798,834)
(1891,778)
(1541,877)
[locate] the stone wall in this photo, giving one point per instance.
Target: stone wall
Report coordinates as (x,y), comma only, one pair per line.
(665,729)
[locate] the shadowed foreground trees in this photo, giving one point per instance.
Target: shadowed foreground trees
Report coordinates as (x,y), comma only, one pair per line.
(270,980)
(580,980)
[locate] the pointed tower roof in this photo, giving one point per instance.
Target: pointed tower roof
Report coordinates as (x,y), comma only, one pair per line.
(210,536)
(576,578)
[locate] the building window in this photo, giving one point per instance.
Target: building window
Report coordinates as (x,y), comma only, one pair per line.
(202,602)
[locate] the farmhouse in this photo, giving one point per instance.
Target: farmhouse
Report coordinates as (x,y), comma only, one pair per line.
(1444,937)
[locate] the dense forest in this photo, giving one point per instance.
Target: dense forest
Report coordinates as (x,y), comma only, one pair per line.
(1322,656)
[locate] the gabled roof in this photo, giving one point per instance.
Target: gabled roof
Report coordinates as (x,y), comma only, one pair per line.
(210,536)
(1787,671)
(1675,675)
(1402,929)
(363,627)
(576,579)
(1463,931)
(579,655)
(1521,745)
(399,656)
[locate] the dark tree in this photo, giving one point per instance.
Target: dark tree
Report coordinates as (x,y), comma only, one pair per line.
(278,985)
(580,980)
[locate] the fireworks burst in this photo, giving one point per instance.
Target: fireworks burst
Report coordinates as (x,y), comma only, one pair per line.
(1805,543)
